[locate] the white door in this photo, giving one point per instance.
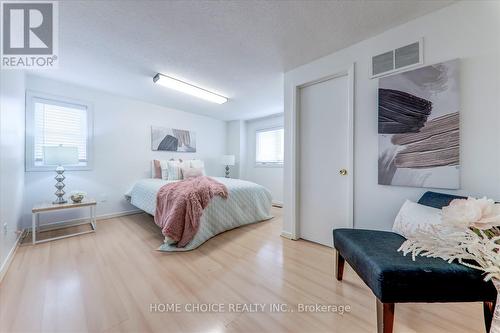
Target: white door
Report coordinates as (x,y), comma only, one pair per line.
(324,139)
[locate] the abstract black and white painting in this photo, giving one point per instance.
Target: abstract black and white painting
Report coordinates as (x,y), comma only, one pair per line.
(171,139)
(418,126)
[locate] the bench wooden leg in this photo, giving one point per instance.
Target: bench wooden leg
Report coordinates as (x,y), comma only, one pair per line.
(339,263)
(385,317)
(488,310)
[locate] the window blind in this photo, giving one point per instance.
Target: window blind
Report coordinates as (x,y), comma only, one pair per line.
(270,146)
(59,125)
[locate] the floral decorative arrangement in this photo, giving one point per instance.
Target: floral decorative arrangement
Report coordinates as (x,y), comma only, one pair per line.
(470,235)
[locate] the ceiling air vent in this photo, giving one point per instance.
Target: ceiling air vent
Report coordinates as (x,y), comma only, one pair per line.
(395,60)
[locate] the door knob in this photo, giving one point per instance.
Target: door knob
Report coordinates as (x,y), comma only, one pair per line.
(343,172)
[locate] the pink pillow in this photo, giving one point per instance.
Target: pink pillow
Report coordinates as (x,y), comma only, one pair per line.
(191,172)
(157,169)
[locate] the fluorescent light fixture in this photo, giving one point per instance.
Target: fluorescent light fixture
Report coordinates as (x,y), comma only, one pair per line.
(187,88)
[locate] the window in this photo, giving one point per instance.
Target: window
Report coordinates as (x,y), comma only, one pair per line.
(53,121)
(269,147)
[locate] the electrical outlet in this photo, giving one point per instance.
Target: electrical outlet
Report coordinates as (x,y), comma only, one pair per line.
(5,228)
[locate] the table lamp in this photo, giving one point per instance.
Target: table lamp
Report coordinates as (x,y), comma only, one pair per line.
(228,160)
(60,156)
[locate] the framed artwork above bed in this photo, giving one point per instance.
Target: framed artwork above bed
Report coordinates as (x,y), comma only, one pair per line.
(171,139)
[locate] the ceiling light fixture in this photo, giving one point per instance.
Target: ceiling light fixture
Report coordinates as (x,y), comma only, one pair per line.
(187,88)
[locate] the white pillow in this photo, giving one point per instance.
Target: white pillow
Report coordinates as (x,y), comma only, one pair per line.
(412,216)
(191,172)
(164,169)
(198,164)
(175,169)
(184,164)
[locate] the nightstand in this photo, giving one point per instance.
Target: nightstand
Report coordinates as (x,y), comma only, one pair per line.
(50,207)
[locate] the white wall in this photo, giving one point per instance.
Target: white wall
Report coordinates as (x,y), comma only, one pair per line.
(12,86)
(270,177)
(466,30)
(122,148)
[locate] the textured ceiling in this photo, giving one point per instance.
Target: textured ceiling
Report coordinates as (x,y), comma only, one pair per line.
(239,49)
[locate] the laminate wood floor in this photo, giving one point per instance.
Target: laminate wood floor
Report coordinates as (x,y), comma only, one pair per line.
(108,281)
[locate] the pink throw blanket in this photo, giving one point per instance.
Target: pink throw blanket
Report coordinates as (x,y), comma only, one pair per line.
(179,206)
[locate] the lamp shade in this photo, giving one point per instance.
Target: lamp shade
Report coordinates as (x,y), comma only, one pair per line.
(60,155)
(228,160)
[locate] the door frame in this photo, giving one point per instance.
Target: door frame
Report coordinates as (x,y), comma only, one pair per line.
(295,140)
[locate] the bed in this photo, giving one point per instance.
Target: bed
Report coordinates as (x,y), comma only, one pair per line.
(247,203)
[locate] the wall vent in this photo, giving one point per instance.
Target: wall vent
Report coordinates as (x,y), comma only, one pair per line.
(398,59)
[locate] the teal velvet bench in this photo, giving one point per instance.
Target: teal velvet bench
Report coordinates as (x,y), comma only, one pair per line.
(395,278)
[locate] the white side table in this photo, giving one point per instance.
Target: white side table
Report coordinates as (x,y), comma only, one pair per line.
(50,207)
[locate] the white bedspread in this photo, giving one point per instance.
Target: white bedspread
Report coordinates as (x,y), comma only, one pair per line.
(247,203)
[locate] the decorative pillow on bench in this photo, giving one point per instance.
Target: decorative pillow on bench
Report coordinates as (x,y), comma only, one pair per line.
(412,216)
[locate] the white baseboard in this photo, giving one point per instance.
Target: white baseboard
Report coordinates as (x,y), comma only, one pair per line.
(73,222)
(119,214)
(287,235)
(8,260)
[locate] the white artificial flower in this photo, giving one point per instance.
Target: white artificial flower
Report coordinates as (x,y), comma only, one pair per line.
(478,213)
